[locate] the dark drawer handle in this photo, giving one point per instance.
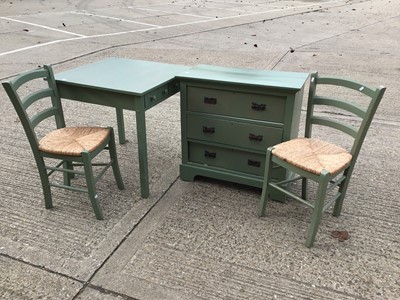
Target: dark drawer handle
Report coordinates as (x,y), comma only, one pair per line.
(254,163)
(210,154)
(257,138)
(258,107)
(208,129)
(210,100)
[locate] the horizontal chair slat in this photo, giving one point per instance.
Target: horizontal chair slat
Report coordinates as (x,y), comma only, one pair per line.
(21,79)
(350,130)
(318,100)
(36,119)
(357,86)
(32,98)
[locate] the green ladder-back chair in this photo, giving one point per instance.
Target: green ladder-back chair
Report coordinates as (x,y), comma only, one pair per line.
(71,146)
(329,165)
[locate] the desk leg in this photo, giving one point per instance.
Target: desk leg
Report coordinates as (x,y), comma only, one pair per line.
(142,148)
(121,125)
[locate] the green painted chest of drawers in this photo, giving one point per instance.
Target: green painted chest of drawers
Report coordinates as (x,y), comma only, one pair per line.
(230,116)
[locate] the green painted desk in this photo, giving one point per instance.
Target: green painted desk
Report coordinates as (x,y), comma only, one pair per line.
(124,84)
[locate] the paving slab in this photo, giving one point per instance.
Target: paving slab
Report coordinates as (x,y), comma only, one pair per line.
(110,35)
(19,280)
(68,239)
(204,240)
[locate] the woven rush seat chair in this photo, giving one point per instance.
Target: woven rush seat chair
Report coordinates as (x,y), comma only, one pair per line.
(72,147)
(327,164)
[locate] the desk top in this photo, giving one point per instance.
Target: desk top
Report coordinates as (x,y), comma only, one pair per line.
(241,76)
(128,76)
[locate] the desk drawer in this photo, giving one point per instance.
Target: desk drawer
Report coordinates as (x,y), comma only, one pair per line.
(161,93)
(241,161)
(238,134)
(246,105)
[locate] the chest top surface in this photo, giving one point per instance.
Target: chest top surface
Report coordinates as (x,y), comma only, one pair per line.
(240,76)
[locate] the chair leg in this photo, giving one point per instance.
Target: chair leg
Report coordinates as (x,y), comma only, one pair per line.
(304,188)
(115,165)
(265,189)
(48,202)
(91,187)
(342,190)
(67,176)
(318,209)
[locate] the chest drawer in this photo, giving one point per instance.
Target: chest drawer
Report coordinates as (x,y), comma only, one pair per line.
(228,132)
(226,158)
(237,104)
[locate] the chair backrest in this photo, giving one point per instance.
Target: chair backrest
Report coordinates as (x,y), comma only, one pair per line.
(370,97)
(28,88)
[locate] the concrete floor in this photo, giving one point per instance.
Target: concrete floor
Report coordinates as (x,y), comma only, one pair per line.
(201,239)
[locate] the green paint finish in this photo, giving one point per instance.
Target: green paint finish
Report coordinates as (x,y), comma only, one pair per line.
(331,187)
(226,158)
(124,84)
(237,133)
(233,103)
(274,80)
(230,116)
(236,160)
(121,75)
(66,164)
